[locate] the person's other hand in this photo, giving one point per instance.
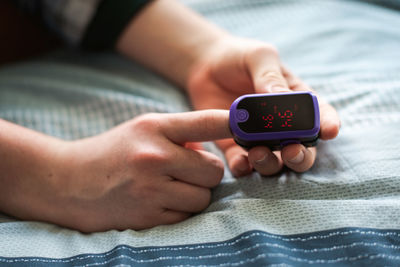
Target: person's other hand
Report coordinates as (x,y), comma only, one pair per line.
(233,67)
(141,174)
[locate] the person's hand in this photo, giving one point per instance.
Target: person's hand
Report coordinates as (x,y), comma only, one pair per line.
(233,67)
(135,176)
(216,68)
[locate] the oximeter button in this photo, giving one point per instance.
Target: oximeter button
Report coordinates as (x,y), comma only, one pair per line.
(289,142)
(242,115)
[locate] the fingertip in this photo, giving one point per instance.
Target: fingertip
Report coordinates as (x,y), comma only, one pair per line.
(236,157)
(330,129)
(264,161)
(330,122)
(298,158)
(240,165)
(293,153)
(259,155)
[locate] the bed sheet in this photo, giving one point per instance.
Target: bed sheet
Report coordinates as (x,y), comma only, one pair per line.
(344,211)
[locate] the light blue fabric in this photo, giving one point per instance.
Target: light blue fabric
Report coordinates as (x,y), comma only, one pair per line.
(348,51)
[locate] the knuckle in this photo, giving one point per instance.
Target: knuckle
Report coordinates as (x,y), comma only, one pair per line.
(146,191)
(263,49)
(271,75)
(212,167)
(146,122)
(203,200)
(218,172)
(259,51)
(151,157)
(272,49)
(149,190)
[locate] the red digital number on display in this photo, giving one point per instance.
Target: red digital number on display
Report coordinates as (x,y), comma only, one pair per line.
(286,116)
(268,119)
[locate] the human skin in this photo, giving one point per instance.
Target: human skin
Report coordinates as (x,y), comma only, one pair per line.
(137,175)
(143,173)
(215,68)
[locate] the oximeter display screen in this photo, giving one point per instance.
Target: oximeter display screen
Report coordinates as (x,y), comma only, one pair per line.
(277,113)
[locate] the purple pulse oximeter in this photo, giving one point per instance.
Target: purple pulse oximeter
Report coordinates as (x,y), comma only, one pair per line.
(275,120)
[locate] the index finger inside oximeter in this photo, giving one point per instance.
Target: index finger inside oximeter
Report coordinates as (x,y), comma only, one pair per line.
(275,120)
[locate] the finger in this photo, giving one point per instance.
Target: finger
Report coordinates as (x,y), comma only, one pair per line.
(264,68)
(201,98)
(184,197)
(298,158)
(194,145)
(294,83)
(196,126)
(172,217)
(236,157)
(329,119)
(153,218)
(200,168)
(265,161)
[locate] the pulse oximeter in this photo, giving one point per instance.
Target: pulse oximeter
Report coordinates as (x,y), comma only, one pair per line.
(275,120)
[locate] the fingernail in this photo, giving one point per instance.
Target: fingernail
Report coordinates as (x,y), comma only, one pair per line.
(298,158)
(262,160)
(242,165)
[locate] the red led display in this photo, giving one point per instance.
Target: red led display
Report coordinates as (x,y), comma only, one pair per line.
(278,113)
(285,118)
(268,119)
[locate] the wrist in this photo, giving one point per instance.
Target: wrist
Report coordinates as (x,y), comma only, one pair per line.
(169,38)
(203,49)
(29,172)
(206,51)
(73,181)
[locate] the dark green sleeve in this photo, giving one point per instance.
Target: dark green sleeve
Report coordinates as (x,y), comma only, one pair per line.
(111,18)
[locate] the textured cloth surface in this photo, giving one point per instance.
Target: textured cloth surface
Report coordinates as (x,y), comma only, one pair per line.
(356,247)
(348,51)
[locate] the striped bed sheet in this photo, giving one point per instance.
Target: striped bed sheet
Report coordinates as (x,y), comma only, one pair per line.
(344,211)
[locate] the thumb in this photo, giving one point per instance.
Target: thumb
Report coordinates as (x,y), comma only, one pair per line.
(265,70)
(197,126)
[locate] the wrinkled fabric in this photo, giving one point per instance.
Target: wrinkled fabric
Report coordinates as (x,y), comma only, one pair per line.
(345,209)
